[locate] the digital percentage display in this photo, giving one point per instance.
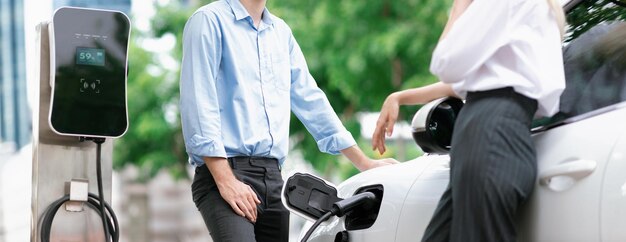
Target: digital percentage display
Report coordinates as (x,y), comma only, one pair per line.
(90,56)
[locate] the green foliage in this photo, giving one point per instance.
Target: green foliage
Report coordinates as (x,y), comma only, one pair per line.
(154,139)
(358,51)
(590,13)
(361,51)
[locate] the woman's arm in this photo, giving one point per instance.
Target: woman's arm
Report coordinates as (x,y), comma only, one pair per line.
(458,8)
(473,34)
(389,111)
(422,95)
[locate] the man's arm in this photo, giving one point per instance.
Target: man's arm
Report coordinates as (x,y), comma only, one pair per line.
(310,105)
(199,104)
(200,115)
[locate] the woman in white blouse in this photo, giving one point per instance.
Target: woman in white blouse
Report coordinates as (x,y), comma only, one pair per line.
(504,57)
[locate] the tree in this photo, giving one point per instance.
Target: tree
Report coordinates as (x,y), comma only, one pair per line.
(590,13)
(154,139)
(358,52)
(361,51)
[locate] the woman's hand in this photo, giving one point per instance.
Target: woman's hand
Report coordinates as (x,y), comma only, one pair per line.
(386,120)
(389,111)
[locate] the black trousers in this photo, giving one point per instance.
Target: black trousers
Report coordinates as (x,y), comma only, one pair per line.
(492,169)
(263,176)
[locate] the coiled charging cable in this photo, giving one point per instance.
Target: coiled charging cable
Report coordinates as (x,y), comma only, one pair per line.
(109,220)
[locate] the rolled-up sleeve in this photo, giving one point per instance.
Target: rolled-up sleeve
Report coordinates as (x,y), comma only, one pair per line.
(310,105)
(475,36)
(199,106)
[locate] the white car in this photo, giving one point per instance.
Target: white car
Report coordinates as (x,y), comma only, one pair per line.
(580,194)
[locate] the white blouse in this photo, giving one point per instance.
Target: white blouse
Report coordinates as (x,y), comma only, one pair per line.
(504,43)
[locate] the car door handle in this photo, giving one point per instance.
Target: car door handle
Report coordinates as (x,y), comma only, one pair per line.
(576,170)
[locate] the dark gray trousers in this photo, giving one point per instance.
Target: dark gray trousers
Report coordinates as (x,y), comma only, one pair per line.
(492,169)
(263,175)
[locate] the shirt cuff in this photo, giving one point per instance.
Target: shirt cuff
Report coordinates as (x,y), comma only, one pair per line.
(199,147)
(335,143)
(459,89)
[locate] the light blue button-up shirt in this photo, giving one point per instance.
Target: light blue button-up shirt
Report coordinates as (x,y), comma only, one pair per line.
(239,83)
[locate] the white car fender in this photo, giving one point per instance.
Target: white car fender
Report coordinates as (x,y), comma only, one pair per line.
(613,204)
(397,219)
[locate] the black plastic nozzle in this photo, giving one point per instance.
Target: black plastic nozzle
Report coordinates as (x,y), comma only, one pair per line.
(344,206)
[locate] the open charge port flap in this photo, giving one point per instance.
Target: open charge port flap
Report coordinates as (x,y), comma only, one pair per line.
(309,195)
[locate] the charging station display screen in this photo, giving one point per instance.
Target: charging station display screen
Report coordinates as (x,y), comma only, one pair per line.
(90,56)
(89,66)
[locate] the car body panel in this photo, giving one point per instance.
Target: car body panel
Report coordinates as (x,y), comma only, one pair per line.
(567,209)
(397,181)
(613,204)
(423,198)
(553,213)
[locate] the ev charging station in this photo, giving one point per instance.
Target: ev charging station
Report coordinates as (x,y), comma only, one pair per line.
(82,98)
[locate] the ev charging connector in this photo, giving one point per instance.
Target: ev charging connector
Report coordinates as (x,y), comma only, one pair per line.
(316,199)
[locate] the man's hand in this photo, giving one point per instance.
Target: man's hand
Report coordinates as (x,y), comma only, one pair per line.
(238,195)
(362,162)
(383,162)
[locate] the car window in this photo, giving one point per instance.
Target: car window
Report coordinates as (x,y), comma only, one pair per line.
(594,58)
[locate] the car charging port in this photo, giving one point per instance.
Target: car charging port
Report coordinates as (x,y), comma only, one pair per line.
(343,207)
(364,215)
(342,236)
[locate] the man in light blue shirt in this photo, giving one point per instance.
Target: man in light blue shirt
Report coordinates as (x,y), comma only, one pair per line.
(242,74)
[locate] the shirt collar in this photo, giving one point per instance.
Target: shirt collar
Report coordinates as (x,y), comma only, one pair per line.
(241,13)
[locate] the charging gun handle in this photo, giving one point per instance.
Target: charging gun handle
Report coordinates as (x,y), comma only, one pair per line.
(346,205)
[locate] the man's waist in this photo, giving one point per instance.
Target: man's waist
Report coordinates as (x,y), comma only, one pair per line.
(253,161)
(242,162)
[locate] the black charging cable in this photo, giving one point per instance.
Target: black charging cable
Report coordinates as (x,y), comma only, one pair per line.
(111,230)
(340,209)
(99,142)
(93,202)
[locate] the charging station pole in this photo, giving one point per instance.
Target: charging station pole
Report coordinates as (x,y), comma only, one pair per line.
(88,71)
(59,159)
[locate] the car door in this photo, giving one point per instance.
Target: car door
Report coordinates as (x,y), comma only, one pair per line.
(565,205)
(613,204)
(575,146)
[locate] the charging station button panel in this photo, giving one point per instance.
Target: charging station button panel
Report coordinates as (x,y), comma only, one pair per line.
(89,72)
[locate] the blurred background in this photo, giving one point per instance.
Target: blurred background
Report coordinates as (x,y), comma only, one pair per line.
(358,52)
